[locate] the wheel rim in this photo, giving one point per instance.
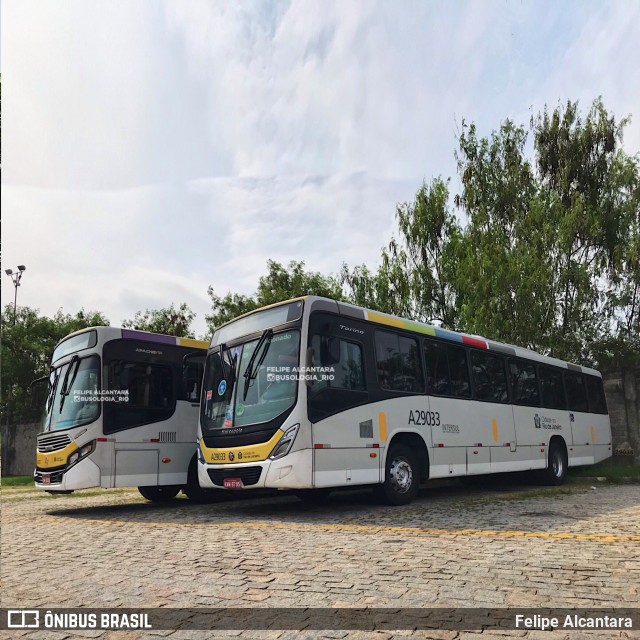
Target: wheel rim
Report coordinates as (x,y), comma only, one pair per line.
(557,464)
(401,475)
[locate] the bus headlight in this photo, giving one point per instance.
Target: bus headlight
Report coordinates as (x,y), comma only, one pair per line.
(82,452)
(285,443)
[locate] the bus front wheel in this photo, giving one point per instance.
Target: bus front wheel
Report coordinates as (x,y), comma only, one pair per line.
(401,477)
(159,494)
(195,492)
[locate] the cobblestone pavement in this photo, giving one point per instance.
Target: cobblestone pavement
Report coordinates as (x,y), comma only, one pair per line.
(495,546)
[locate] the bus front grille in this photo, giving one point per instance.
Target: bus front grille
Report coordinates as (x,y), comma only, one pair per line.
(248,475)
(55,477)
(53,442)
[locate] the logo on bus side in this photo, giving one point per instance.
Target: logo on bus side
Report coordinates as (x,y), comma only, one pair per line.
(352,329)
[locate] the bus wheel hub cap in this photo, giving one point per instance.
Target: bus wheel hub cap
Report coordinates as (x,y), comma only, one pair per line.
(401,475)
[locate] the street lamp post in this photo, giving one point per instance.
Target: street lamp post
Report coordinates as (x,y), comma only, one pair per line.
(16,276)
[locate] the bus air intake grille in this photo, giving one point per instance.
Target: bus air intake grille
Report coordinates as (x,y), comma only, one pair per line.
(54,477)
(168,436)
(53,442)
(248,475)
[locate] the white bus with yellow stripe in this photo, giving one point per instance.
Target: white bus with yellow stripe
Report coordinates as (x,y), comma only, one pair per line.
(122,411)
(313,394)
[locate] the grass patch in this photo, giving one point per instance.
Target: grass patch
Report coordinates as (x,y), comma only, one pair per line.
(17,481)
(606,470)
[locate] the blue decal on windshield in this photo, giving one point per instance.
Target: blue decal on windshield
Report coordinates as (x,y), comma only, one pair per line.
(222,387)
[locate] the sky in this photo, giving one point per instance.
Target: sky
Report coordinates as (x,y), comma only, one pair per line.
(151,149)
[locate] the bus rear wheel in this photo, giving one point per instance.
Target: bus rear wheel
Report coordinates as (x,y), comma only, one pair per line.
(401,477)
(556,470)
(159,494)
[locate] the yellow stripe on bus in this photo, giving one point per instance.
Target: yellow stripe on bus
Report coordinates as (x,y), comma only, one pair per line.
(238,455)
(381,319)
(494,429)
(382,424)
(55,458)
(195,344)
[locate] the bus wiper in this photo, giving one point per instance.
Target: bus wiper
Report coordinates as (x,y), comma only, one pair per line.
(64,391)
(51,391)
(250,374)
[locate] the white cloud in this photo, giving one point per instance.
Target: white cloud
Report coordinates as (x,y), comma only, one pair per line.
(151,149)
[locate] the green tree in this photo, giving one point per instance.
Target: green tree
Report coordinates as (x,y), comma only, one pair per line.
(279,284)
(26,351)
(415,276)
(171,320)
(547,253)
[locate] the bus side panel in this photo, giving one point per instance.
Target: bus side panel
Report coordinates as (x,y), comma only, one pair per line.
(592,439)
(344,451)
(136,466)
(465,434)
(175,456)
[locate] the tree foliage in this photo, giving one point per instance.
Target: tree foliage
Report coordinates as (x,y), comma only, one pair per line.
(171,320)
(27,346)
(544,251)
(279,284)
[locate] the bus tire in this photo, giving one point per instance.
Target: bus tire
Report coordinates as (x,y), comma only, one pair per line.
(313,496)
(194,491)
(557,464)
(159,494)
(401,476)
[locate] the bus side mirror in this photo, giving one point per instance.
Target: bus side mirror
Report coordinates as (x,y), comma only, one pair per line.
(39,392)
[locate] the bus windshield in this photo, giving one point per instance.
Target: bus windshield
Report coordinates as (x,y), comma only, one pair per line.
(250,383)
(73,399)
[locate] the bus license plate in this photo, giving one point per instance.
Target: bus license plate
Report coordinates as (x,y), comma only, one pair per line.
(46,479)
(232,483)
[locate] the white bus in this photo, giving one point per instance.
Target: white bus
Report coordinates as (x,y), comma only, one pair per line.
(391,403)
(122,411)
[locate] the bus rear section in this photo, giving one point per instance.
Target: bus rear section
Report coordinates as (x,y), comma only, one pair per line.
(121,411)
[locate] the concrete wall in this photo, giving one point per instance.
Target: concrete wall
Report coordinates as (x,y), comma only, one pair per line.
(621,387)
(19,448)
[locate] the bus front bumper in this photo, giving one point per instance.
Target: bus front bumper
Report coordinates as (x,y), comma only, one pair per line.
(293,471)
(82,475)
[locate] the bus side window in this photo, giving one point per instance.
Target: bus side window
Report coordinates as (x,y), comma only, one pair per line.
(398,362)
(551,388)
(489,378)
(595,393)
(459,372)
(149,394)
(576,392)
(345,364)
(524,383)
(435,355)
